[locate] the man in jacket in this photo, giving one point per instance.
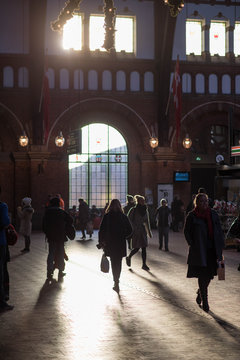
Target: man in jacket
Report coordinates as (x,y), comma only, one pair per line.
(162,216)
(55,223)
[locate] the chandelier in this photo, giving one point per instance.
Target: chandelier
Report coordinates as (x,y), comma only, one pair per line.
(175,6)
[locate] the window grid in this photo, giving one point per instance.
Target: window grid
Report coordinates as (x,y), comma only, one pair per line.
(99,181)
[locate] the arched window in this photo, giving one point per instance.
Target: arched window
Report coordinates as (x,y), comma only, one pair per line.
(200,84)
(8,79)
(51,78)
(23,80)
(100,172)
(78,80)
(106,80)
(121,81)
(186,83)
(237,84)
(148,81)
(213,84)
(134,81)
(64,79)
(92,80)
(226,84)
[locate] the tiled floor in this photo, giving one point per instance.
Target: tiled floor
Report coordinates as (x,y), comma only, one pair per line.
(154,318)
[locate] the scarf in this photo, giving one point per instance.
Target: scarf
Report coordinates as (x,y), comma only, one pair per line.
(206,215)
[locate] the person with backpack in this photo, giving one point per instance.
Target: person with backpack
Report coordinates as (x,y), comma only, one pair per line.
(57,225)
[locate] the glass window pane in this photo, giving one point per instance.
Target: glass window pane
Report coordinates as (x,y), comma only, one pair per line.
(193,37)
(72,33)
(124,34)
(217,38)
(237,39)
(96,26)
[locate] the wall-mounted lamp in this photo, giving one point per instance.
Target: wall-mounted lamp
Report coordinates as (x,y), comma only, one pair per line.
(187,142)
(153,141)
(59,140)
(23,140)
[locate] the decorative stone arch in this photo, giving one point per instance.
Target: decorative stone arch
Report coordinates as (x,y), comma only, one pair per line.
(109,111)
(191,118)
(12,128)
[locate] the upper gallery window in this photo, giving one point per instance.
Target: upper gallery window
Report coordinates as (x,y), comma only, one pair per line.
(73,30)
(237,39)
(218,38)
(124,35)
(193,37)
(72,33)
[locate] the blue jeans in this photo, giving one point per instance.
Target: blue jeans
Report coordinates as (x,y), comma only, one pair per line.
(163,233)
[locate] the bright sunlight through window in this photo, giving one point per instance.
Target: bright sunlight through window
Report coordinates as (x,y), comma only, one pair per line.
(123,36)
(237,39)
(193,37)
(217,38)
(72,33)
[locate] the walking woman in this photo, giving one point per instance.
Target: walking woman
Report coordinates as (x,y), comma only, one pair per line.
(114,229)
(206,241)
(139,218)
(25,213)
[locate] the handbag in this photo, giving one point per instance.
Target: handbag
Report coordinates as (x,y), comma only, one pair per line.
(221,270)
(104,265)
(11,235)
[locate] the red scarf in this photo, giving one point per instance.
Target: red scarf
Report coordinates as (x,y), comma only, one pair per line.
(206,215)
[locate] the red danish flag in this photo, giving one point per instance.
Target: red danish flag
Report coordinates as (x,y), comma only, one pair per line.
(177,98)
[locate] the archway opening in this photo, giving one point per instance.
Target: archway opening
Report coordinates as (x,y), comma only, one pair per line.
(100,172)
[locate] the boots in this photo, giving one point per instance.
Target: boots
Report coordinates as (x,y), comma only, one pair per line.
(203,286)
(198,298)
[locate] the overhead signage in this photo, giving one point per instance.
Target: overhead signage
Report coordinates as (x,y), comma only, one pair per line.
(235,150)
(75,142)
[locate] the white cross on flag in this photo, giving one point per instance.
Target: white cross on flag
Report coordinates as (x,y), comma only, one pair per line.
(177,98)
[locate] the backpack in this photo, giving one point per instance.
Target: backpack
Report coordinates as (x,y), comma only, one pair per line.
(11,235)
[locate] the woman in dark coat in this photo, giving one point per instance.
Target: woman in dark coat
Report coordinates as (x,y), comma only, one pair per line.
(139,218)
(206,241)
(114,229)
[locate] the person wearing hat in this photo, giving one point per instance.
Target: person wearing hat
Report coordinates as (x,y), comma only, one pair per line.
(25,213)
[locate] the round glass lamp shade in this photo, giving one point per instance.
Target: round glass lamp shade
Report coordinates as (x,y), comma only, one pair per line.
(153,142)
(187,142)
(23,140)
(59,140)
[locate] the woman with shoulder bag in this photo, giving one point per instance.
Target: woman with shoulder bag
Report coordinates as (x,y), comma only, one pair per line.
(205,238)
(114,229)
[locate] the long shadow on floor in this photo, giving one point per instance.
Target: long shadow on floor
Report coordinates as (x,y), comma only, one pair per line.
(48,293)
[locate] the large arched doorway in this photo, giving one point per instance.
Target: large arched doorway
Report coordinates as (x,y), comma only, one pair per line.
(100,172)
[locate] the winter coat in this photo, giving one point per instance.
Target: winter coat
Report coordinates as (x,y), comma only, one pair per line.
(162,216)
(114,229)
(55,222)
(83,215)
(196,234)
(25,214)
(4,221)
(141,227)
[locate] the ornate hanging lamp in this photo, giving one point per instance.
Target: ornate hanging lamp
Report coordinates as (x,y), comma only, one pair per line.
(59,140)
(175,6)
(23,140)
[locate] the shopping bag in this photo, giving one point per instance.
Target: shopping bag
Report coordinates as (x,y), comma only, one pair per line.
(104,266)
